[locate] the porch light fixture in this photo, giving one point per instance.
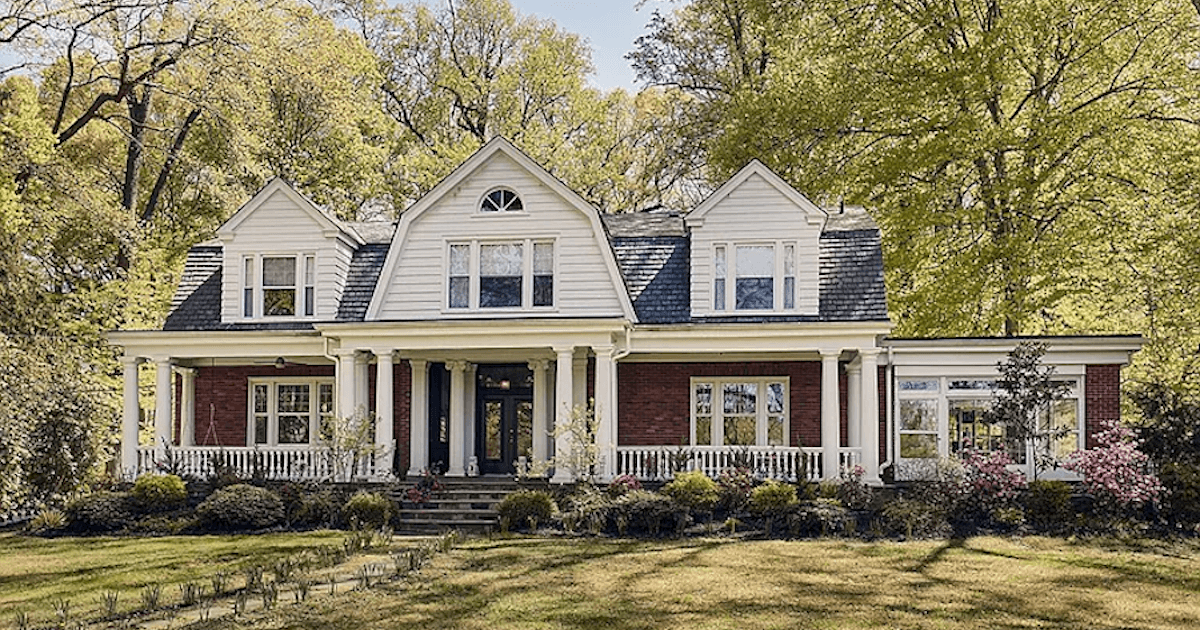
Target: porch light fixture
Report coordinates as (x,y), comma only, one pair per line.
(505,384)
(280,363)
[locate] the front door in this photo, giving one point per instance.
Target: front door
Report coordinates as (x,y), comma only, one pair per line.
(504,431)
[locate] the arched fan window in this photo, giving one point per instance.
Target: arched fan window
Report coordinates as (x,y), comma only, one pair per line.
(501,200)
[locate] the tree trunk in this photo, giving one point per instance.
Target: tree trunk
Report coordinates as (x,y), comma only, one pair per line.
(164,173)
(139,113)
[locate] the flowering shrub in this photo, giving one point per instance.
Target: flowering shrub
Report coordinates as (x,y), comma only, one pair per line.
(988,485)
(623,484)
(852,492)
(1115,471)
(733,488)
(428,484)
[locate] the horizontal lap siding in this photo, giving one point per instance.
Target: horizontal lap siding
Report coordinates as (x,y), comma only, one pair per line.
(582,284)
(654,399)
(756,211)
(1102,399)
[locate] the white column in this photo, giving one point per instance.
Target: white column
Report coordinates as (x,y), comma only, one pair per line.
(187,407)
(853,399)
(830,420)
(605,427)
(164,413)
(541,430)
(418,418)
(469,410)
(384,417)
(870,414)
(458,418)
(564,392)
(345,385)
(130,417)
(579,380)
(362,385)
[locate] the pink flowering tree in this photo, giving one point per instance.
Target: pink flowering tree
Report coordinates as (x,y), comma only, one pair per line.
(1116,471)
(988,482)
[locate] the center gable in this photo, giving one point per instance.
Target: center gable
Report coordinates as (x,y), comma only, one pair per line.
(499,238)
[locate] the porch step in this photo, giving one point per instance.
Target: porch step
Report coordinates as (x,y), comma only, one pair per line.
(463,504)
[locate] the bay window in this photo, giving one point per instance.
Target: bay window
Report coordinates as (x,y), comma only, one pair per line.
(739,411)
(288,411)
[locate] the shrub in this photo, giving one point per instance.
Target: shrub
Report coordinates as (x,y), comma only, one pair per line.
(693,490)
(240,507)
(525,508)
(643,510)
(772,497)
(159,493)
(100,512)
(916,518)
(623,484)
(587,508)
(1181,498)
(822,517)
(733,489)
(989,484)
(1115,471)
(310,504)
(852,492)
(48,521)
(368,509)
(1048,504)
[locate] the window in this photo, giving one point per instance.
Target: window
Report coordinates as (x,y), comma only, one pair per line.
(501,200)
(763,276)
(289,411)
(287,287)
(741,412)
(503,274)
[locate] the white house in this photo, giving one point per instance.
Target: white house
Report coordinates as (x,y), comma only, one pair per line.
(753,329)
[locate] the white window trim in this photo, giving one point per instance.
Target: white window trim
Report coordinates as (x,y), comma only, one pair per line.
(273,382)
(473,284)
(480,213)
(256,293)
(777,282)
(945,395)
(717,431)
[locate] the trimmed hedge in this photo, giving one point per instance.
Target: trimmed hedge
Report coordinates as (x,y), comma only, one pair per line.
(525,508)
(368,509)
(100,512)
(159,493)
(241,507)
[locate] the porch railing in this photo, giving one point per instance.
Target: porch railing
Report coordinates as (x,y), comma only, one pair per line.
(267,462)
(783,463)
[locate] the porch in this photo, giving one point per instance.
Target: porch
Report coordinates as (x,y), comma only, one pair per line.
(282,463)
(781,463)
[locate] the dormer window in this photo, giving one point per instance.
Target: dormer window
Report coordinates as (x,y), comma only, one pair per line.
(501,200)
(754,276)
(279,286)
(516,274)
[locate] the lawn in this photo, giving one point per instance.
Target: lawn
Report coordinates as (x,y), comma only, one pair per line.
(978,583)
(36,572)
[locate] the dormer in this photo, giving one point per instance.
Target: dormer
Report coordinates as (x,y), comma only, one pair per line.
(755,249)
(284,259)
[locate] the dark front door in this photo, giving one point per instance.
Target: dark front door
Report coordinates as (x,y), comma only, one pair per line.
(439,417)
(504,430)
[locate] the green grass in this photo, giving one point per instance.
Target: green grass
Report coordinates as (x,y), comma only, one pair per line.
(979,583)
(35,572)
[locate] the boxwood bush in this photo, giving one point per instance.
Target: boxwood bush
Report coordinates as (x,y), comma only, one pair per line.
(159,493)
(100,512)
(368,509)
(693,490)
(240,507)
(525,508)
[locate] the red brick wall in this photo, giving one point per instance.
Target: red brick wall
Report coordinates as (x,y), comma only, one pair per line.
(1102,398)
(654,399)
(402,405)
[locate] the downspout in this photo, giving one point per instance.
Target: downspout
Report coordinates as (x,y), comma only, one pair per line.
(891,408)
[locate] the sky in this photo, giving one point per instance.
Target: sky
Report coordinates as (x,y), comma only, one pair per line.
(609,25)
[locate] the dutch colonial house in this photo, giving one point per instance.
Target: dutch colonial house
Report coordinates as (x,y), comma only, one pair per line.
(752,329)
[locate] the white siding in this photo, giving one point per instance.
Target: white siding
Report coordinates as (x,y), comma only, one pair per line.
(583,286)
(279,227)
(756,211)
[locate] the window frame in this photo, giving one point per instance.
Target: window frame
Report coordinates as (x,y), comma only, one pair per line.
(474,262)
(727,304)
(485,198)
(762,413)
(304,288)
(272,383)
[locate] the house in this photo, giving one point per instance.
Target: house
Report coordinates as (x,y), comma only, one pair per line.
(753,329)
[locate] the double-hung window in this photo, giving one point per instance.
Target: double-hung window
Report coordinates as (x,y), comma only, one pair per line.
(739,411)
(754,276)
(279,286)
(288,411)
(503,274)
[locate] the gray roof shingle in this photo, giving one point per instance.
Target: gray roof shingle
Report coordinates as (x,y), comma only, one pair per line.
(851,284)
(197,301)
(365,267)
(658,276)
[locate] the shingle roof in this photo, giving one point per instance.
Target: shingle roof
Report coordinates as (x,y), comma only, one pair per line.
(652,251)
(852,287)
(360,281)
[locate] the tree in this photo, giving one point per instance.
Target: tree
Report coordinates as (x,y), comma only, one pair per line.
(1026,391)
